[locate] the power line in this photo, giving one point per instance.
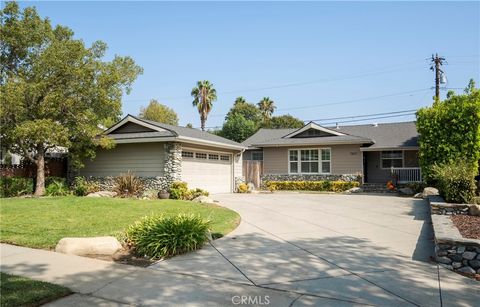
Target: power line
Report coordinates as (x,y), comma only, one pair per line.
(359,120)
(358,116)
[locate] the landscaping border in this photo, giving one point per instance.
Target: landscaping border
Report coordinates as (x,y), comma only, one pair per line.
(451,249)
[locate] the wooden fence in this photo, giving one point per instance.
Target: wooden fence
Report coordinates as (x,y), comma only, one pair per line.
(252,171)
(55,167)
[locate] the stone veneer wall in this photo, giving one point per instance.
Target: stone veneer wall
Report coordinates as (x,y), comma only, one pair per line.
(309,177)
(172,172)
(452,250)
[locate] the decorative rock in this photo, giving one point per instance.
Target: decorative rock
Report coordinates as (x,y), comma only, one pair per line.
(428,191)
(442,253)
(88,246)
(102,194)
(460,249)
(250,187)
(203,200)
(474,264)
(469,255)
(418,195)
(444,260)
(456,265)
(466,269)
(474,210)
(354,190)
(406,191)
(456,257)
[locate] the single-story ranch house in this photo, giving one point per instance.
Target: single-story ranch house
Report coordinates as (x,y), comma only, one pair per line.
(315,152)
(161,154)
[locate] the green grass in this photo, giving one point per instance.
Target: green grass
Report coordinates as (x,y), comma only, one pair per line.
(42,222)
(20,291)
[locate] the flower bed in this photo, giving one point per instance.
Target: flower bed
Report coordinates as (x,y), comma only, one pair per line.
(330,186)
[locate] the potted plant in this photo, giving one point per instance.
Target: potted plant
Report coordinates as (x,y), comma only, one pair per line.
(163,194)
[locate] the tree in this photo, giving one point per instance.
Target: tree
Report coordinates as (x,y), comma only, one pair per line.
(159,112)
(203,97)
(189,125)
(55,91)
(247,110)
(283,121)
(450,131)
(239,100)
(266,107)
(237,128)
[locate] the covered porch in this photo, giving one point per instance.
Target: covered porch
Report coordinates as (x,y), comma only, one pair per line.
(400,165)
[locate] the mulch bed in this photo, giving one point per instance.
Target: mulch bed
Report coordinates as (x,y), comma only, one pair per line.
(469,226)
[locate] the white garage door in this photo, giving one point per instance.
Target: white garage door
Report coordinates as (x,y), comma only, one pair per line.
(211,171)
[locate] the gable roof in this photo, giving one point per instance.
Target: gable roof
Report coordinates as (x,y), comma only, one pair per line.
(373,137)
(312,125)
(164,132)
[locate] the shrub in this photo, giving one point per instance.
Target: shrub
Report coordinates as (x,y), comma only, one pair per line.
(57,188)
(82,187)
(417,187)
(127,185)
(242,188)
(15,186)
(159,236)
(455,180)
(179,190)
(333,186)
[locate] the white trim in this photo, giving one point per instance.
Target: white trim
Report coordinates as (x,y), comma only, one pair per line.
(190,140)
(144,140)
(205,150)
(312,125)
(319,161)
(320,143)
(131,119)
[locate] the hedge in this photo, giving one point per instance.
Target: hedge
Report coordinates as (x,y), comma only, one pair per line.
(331,186)
(15,186)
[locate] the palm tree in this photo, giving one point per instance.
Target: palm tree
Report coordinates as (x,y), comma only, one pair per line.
(266,106)
(239,100)
(203,97)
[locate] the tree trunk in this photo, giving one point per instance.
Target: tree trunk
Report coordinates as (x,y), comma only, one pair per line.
(202,122)
(40,181)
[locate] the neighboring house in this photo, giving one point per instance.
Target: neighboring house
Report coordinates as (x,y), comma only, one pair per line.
(161,154)
(315,152)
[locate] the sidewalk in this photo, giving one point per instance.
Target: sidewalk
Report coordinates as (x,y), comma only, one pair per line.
(102,283)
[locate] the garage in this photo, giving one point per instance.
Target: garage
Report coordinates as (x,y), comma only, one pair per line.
(208,170)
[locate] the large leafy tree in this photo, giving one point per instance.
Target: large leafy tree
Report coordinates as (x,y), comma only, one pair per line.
(55,91)
(159,112)
(247,110)
(239,100)
(283,121)
(204,94)
(266,107)
(237,128)
(450,131)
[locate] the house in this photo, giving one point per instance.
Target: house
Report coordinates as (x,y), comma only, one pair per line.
(314,152)
(160,154)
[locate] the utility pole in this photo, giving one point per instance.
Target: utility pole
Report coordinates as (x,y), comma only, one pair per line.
(436,63)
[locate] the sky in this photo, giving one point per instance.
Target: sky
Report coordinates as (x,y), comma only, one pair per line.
(315,60)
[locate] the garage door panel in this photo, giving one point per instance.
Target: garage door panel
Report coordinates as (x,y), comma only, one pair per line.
(213,176)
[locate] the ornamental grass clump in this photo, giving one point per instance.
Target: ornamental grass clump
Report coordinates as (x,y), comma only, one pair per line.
(128,185)
(159,236)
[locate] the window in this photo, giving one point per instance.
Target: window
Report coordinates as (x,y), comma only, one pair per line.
(200,155)
(225,158)
(391,158)
(187,154)
(212,157)
(257,155)
(309,161)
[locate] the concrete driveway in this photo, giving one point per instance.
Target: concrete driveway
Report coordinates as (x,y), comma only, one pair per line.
(331,250)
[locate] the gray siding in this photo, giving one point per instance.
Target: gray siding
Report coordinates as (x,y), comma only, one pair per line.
(144,159)
(375,174)
(346,159)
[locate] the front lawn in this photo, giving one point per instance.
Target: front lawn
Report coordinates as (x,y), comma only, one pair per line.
(20,291)
(42,222)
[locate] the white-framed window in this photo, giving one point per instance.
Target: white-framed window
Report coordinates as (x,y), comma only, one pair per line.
(200,155)
(391,158)
(187,154)
(309,161)
(225,158)
(257,155)
(212,157)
